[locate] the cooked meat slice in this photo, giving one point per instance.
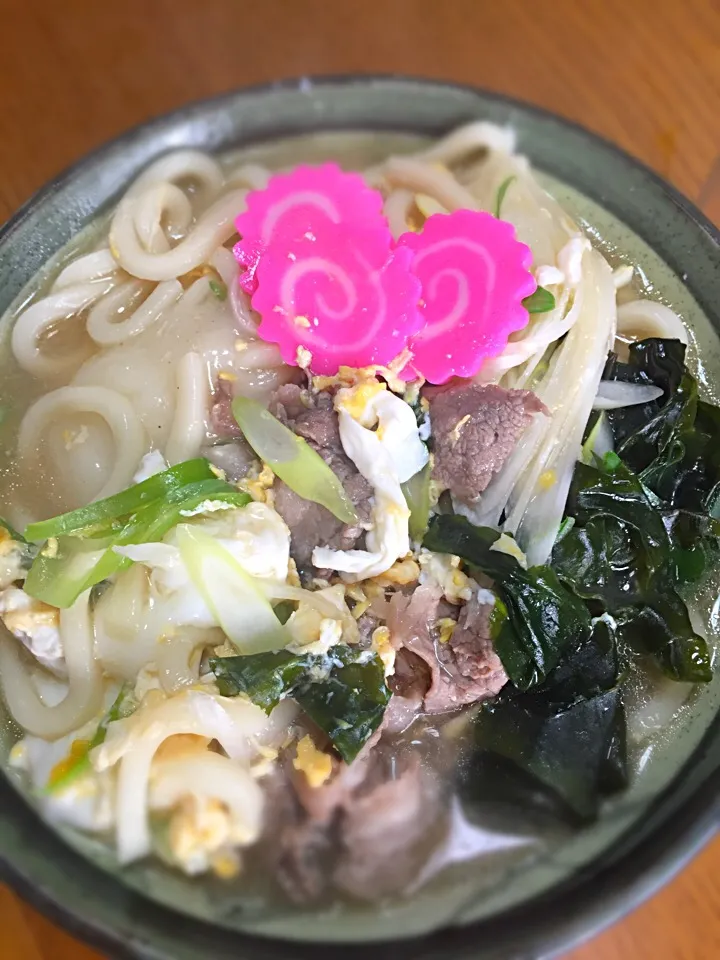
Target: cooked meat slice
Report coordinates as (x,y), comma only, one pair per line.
(310,524)
(389,829)
(409,684)
(298,849)
(234,458)
(463,670)
(474,430)
(368,831)
(469,669)
(222,421)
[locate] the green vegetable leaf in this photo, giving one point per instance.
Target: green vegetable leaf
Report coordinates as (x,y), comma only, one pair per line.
(263,677)
(544,622)
(349,705)
(564,763)
(218,288)
(612,490)
(652,361)
(502,190)
(539,302)
(292,459)
(344,693)
(626,553)
(590,670)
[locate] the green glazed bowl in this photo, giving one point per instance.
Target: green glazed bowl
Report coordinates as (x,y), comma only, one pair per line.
(544,906)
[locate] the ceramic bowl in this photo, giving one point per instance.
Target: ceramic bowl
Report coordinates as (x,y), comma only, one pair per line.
(146,913)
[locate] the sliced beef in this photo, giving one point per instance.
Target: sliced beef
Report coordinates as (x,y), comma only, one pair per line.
(463,670)
(474,430)
(222,421)
(389,828)
(409,684)
(311,524)
(298,850)
(234,458)
(469,669)
(367,832)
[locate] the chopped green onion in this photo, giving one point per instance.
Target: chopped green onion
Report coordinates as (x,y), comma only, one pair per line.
(502,190)
(292,459)
(70,565)
(102,512)
(235,598)
(218,288)
(417,495)
(539,302)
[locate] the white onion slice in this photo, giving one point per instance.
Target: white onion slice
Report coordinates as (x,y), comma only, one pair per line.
(613,394)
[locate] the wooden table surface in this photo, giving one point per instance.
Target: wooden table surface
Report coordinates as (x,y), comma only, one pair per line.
(645,73)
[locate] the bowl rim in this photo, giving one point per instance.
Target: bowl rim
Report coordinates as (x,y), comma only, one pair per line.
(599,897)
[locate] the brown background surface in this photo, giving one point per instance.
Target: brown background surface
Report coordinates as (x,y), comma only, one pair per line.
(644,73)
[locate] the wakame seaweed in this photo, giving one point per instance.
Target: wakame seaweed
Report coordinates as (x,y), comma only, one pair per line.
(563,762)
(673,443)
(646,517)
(622,558)
(343,692)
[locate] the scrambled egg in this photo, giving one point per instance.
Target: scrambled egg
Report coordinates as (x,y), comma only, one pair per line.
(202,834)
(508,545)
(443,570)
(402,572)
(313,633)
(386,457)
(12,555)
(569,264)
(86,801)
(259,487)
(382,646)
(36,625)
(446,628)
(316,765)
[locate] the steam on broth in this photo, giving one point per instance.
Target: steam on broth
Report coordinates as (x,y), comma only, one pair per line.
(202,661)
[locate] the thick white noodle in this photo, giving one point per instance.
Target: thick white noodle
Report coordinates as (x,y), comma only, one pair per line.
(85,692)
(37,320)
(226,265)
(161,211)
(108,332)
(93,266)
(189,712)
(183,165)
(466,140)
(397,210)
(115,409)
(647,318)
(246,322)
(419,177)
(252,176)
(189,427)
(213,228)
(258,355)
